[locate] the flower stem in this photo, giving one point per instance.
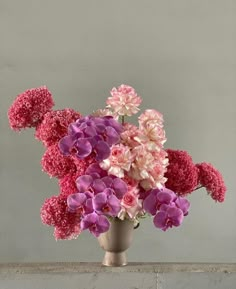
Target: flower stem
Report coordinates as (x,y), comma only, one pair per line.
(123,119)
(198,188)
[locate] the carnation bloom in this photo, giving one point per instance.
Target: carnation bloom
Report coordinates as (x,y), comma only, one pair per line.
(124,100)
(29,108)
(119,161)
(54,125)
(105,112)
(150,116)
(54,213)
(212,180)
(182,174)
(56,164)
(129,135)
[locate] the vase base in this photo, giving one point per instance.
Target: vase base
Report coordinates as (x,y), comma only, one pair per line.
(112,259)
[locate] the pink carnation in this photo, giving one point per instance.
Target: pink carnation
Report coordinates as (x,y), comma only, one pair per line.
(124,100)
(29,108)
(54,212)
(129,134)
(150,116)
(54,125)
(119,161)
(182,174)
(56,164)
(212,180)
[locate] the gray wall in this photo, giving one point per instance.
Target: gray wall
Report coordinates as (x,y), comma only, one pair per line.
(179,55)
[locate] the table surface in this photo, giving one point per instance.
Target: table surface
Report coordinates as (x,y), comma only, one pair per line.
(73,267)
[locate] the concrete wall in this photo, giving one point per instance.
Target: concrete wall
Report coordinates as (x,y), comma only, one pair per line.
(179,55)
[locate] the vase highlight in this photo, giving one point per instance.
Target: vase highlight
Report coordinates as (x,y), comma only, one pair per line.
(116,241)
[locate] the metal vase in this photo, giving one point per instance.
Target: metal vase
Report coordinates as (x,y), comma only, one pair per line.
(116,241)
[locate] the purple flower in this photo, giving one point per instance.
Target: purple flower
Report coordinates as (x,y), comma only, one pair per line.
(106,203)
(91,134)
(96,224)
(80,203)
(156,198)
(183,204)
(168,216)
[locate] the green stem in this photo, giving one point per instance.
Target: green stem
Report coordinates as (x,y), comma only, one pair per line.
(123,119)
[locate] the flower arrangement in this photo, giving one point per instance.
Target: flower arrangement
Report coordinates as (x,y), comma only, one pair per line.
(109,168)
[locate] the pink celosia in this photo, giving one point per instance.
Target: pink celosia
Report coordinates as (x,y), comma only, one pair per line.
(82,165)
(56,164)
(54,125)
(54,212)
(212,180)
(182,174)
(119,161)
(67,232)
(29,108)
(124,100)
(67,184)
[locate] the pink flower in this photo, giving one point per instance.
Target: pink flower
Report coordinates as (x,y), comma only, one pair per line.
(54,212)
(212,180)
(105,112)
(124,100)
(56,164)
(151,125)
(29,108)
(119,161)
(54,125)
(67,184)
(182,174)
(150,115)
(129,134)
(131,205)
(68,232)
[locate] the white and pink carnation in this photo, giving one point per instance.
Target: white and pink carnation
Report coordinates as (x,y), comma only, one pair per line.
(124,100)
(119,161)
(105,112)
(130,134)
(150,115)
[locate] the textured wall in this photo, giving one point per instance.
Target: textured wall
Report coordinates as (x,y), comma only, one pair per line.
(179,55)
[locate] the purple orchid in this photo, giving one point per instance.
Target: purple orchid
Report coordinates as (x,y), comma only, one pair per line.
(91,134)
(80,203)
(156,198)
(168,216)
(183,204)
(96,224)
(106,203)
